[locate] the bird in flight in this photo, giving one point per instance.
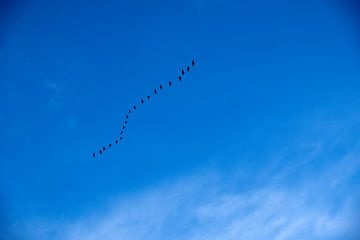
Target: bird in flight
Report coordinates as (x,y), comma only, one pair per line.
(155,91)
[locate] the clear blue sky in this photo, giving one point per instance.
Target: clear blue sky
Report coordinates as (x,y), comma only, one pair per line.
(260,141)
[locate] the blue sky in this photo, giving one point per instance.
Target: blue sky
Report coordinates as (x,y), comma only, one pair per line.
(260,141)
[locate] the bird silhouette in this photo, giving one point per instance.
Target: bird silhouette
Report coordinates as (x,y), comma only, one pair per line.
(155,91)
(121,132)
(109,145)
(127,116)
(125,122)
(129,111)
(93,154)
(142,101)
(103,148)
(120,138)
(116,141)
(180,78)
(148,97)
(188,68)
(123,127)
(193,62)
(182,72)
(100,152)
(169,83)
(161,87)
(134,107)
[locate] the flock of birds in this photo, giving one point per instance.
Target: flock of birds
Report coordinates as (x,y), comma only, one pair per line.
(142,101)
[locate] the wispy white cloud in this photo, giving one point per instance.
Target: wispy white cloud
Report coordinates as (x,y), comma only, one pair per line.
(52,85)
(320,205)
(54,91)
(196,209)
(57,101)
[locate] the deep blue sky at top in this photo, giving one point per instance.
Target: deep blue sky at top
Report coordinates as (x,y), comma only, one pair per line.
(69,70)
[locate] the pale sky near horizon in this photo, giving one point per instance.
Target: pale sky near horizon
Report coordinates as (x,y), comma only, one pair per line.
(260,141)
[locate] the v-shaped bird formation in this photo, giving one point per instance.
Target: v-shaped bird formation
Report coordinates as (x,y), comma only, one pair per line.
(132,110)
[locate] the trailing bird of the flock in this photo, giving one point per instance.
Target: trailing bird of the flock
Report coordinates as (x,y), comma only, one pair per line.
(143,100)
